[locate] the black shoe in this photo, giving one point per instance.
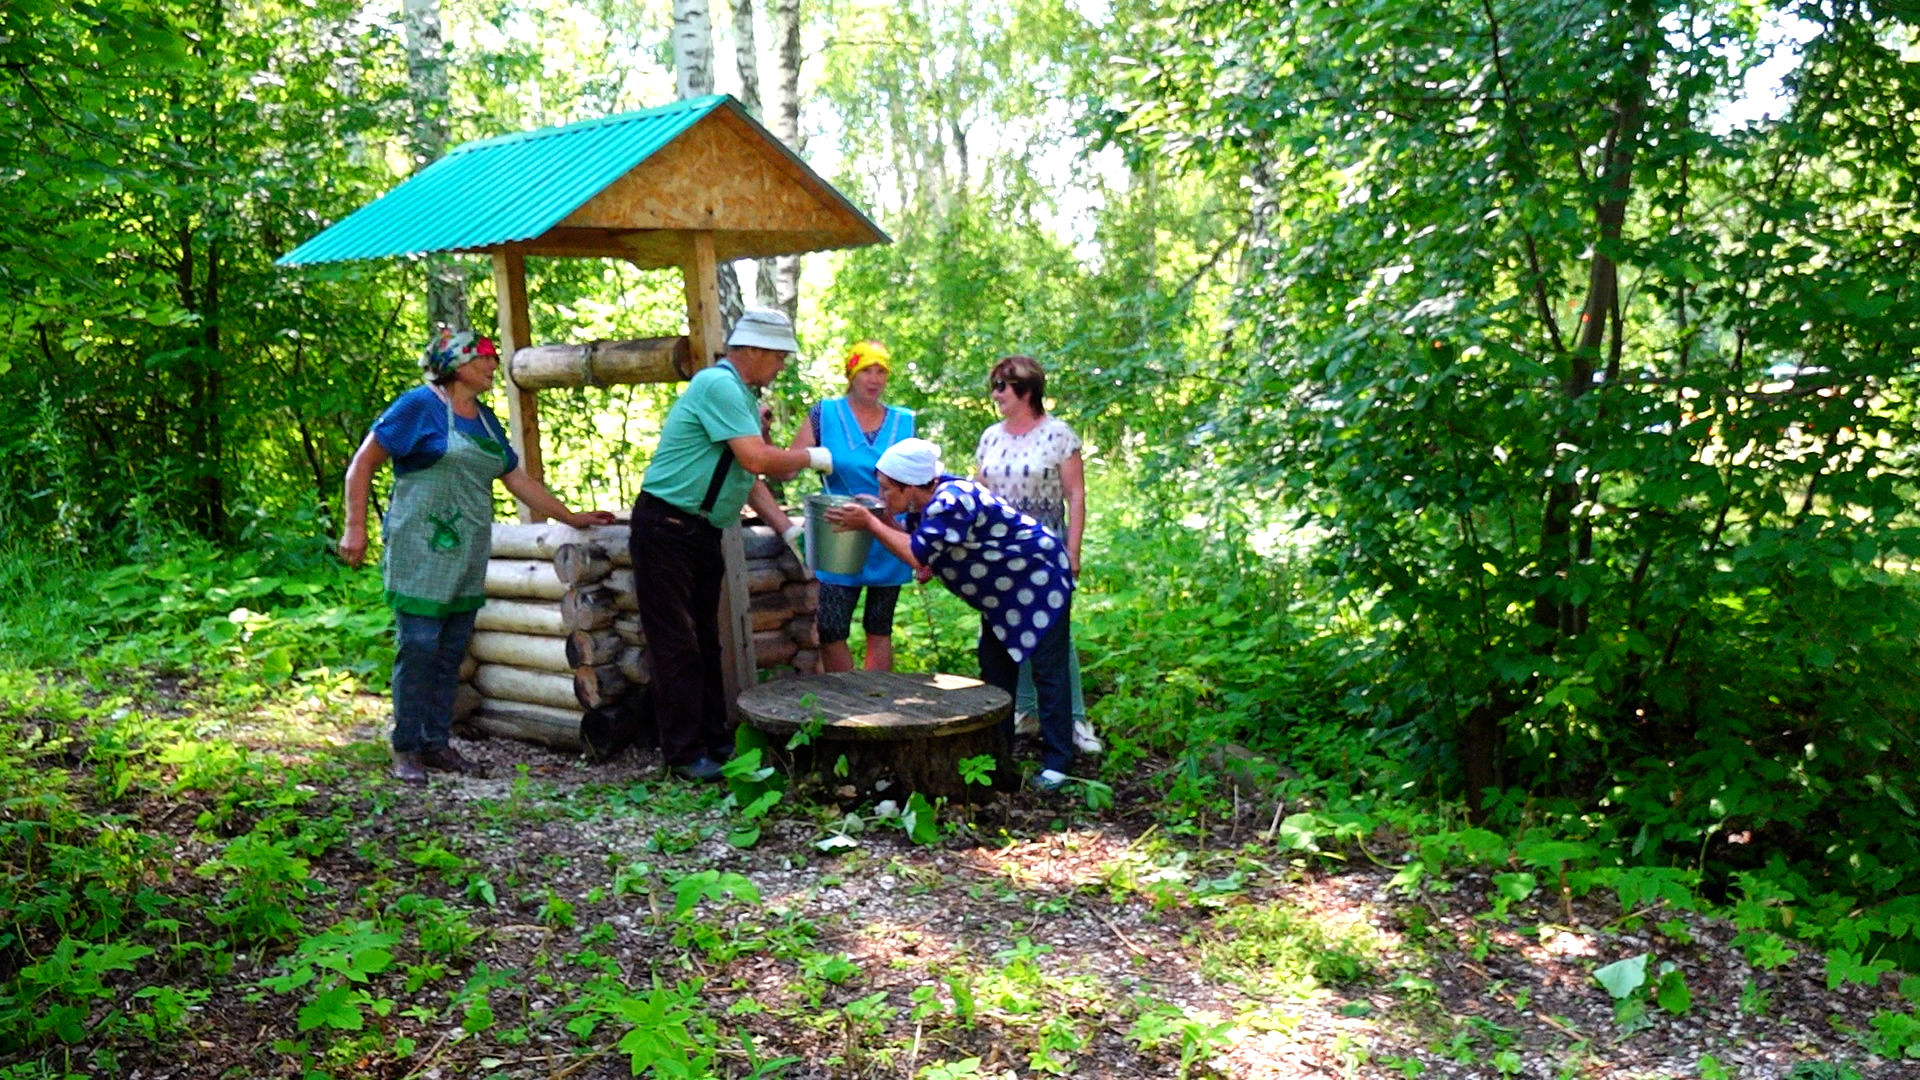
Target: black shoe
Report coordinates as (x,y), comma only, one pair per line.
(407,767)
(447,759)
(700,769)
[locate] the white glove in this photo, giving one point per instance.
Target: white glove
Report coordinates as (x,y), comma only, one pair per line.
(792,537)
(820,459)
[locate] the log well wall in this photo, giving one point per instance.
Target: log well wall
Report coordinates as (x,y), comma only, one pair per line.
(558,649)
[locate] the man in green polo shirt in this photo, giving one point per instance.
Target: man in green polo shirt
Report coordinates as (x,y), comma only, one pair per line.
(711,451)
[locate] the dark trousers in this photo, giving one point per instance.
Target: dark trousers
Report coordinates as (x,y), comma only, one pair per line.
(677,571)
(1050,681)
(426,672)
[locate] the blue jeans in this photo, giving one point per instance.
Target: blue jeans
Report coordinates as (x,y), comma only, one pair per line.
(1026,700)
(426,672)
(1049,660)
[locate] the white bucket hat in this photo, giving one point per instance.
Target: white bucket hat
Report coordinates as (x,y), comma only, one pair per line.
(910,461)
(764,328)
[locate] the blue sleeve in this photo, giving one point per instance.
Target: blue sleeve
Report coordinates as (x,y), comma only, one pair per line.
(813,417)
(413,430)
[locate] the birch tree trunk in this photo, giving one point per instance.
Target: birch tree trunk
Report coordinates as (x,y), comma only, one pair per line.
(693,75)
(783,291)
(746,58)
(427,91)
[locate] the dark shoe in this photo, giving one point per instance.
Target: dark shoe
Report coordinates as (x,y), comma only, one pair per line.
(407,767)
(447,759)
(701,769)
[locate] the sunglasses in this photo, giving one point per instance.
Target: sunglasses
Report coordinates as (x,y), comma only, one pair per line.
(1002,384)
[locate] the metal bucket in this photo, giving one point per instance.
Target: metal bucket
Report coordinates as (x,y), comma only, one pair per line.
(828,548)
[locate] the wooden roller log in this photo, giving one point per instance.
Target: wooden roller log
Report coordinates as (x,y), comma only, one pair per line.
(467,664)
(588,648)
(804,596)
(520,650)
(772,647)
(500,682)
(805,632)
(558,728)
(581,564)
(770,610)
(607,731)
(523,579)
(762,578)
(587,609)
(761,542)
(621,583)
(521,617)
(792,568)
(602,363)
(806,662)
(628,627)
(633,665)
(465,700)
(544,539)
(594,687)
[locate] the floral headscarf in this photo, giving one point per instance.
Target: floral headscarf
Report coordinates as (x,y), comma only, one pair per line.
(450,349)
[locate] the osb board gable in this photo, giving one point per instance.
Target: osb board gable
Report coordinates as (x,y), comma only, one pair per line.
(720,175)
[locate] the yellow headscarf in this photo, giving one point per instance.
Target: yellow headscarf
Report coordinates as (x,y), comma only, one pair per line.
(866,355)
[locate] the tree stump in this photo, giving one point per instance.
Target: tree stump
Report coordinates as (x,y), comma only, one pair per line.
(913,729)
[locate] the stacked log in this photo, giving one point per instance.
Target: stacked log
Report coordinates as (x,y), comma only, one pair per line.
(558,656)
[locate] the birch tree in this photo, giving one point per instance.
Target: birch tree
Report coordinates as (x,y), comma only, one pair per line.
(693,71)
(782,285)
(427,93)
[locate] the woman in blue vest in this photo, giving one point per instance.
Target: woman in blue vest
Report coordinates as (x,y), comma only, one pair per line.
(858,429)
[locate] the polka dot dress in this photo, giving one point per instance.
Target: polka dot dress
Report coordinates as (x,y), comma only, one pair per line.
(1003,563)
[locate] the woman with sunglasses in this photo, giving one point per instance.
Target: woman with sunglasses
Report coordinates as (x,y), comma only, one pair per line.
(1032,462)
(447,449)
(858,428)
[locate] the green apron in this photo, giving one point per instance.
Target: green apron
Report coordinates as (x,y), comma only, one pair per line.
(439,528)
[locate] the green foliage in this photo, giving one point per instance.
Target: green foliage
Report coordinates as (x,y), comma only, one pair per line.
(1620,485)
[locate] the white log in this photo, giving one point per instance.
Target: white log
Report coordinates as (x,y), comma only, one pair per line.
(587,648)
(594,687)
(523,579)
(520,650)
(633,665)
(500,682)
(558,728)
(621,583)
(581,564)
(587,609)
(465,700)
(541,539)
(805,596)
(761,542)
(603,363)
(772,647)
(521,617)
(628,627)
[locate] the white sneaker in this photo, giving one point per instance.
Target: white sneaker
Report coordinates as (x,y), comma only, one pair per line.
(1084,740)
(1025,723)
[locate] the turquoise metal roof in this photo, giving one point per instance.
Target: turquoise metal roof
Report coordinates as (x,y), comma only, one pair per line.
(505,189)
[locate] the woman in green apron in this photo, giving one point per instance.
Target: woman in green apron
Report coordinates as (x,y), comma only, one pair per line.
(447,449)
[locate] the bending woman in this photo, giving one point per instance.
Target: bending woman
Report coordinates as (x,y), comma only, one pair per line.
(1003,563)
(447,450)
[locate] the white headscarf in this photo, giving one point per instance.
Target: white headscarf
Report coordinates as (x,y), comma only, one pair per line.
(912,462)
